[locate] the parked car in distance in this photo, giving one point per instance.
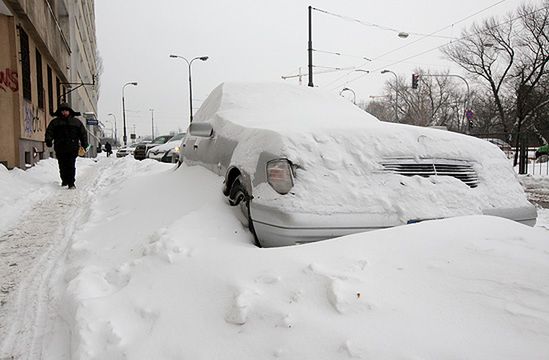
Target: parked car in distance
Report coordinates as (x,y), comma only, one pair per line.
(505,147)
(126,150)
(301,164)
(140,151)
(542,150)
(168,152)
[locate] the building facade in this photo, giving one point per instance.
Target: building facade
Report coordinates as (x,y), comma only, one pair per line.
(36,59)
(83,67)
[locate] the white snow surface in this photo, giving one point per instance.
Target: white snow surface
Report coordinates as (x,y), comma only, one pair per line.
(148,262)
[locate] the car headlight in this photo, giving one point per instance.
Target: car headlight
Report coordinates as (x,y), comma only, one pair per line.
(279,175)
(176,149)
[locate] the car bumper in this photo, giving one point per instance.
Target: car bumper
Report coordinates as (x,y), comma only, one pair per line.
(526,215)
(276,228)
(158,156)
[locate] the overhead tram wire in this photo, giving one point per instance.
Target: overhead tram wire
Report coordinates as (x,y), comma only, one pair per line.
(381,27)
(341,54)
(441,46)
(441,29)
(328,69)
(422,38)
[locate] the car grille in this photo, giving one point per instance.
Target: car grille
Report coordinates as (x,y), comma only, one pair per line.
(458,169)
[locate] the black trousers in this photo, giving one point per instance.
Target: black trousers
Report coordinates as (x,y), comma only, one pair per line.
(67,168)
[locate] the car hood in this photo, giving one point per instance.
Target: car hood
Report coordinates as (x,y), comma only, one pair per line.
(343,171)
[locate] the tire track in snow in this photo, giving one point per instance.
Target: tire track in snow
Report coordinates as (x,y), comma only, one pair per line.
(31,252)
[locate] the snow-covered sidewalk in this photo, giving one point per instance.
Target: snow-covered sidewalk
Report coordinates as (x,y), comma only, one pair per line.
(31,251)
(144,261)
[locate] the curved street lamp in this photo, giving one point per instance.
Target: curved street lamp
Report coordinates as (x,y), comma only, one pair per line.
(189,63)
(396,91)
(115,132)
(134,83)
(351,90)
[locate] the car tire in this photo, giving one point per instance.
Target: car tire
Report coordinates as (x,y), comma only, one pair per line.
(238,196)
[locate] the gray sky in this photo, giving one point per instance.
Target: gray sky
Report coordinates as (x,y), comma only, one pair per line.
(257,40)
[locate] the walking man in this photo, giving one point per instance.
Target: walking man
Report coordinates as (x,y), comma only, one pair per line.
(67,134)
(108,148)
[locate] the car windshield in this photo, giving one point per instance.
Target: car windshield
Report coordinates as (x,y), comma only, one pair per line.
(178,137)
(161,140)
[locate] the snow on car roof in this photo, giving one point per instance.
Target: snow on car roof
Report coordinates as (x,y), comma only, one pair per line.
(282,107)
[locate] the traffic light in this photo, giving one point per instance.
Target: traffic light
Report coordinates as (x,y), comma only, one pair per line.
(415,79)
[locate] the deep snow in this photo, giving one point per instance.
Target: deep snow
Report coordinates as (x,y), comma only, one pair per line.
(145,261)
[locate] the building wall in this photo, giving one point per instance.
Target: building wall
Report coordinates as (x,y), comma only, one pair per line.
(47,22)
(9,92)
(34,115)
(83,63)
(50,51)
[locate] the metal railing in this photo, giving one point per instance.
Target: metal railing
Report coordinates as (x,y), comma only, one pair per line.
(527,164)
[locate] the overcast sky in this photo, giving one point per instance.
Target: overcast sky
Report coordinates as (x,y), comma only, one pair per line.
(257,40)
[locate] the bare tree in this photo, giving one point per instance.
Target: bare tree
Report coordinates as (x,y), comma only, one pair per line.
(438,101)
(510,58)
(382,109)
(486,51)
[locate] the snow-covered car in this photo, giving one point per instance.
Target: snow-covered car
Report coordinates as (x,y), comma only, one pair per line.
(141,150)
(126,150)
(300,164)
(168,152)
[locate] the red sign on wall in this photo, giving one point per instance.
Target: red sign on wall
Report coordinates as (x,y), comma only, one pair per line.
(9,80)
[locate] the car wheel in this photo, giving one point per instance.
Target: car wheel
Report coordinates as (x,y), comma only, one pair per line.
(238,196)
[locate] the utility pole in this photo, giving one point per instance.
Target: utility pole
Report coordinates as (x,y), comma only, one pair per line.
(310,48)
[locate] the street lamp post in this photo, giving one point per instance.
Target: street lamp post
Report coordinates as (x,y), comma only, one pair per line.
(396,92)
(189,63)
(134,83)
(351,90)
(115,132)
(152,123)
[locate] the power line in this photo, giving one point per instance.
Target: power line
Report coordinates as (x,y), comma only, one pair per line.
(429,35)
(341,54)
(381,27)
(441,29)
(443,45)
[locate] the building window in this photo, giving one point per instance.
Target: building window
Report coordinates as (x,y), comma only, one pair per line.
(25,64)
(39,80)
(50,92)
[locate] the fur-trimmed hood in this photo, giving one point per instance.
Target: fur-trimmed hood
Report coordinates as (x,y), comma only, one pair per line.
(65,106)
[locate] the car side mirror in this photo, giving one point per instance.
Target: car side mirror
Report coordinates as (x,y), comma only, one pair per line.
(201,129)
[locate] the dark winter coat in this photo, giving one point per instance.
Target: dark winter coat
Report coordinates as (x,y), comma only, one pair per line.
(66,134)
(108,147)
